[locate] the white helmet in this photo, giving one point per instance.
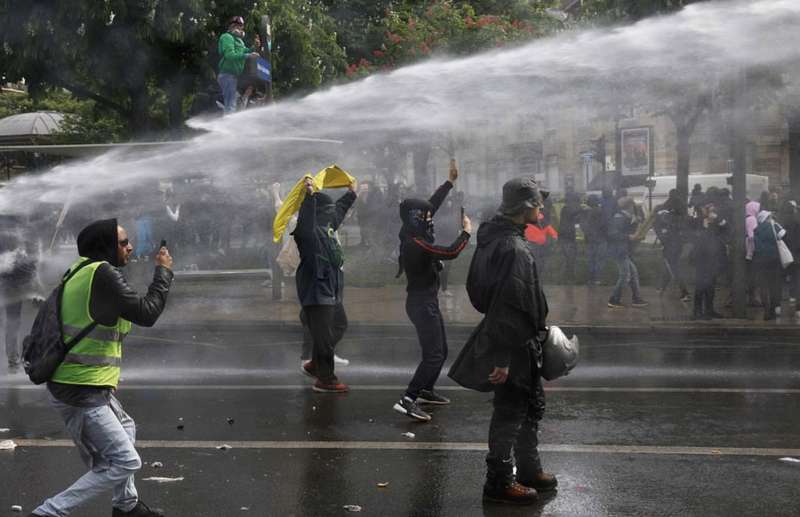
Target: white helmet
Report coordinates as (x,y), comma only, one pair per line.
(559,354)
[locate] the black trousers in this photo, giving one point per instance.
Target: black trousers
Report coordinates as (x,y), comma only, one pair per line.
(704,289)
(423,311)
(515,426)
(672,264)
(769,277)
(327,325)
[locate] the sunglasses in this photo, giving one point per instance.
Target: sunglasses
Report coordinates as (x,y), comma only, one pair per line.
(124,242)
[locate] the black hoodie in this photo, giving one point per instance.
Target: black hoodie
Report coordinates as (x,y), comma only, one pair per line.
(419,257)
(319,279)
(112,298)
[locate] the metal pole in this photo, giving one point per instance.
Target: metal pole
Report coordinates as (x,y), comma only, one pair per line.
(267,49)
(739,184)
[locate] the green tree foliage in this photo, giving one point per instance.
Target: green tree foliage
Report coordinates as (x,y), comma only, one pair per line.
(306,52)
(148,61)
(628,10)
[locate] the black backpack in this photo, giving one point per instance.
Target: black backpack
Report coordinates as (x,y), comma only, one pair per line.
(44,349)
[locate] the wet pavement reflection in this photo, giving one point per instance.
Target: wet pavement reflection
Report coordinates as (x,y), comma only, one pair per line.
(644,426)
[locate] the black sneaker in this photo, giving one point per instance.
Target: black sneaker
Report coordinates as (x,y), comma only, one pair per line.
(640,304)
(433,398)
(408,407)
(140,510)
(613,304)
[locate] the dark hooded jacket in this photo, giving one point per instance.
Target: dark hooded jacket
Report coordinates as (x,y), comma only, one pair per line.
(112,298)
(503,284)
(420,259)
(319,279)
(570,216)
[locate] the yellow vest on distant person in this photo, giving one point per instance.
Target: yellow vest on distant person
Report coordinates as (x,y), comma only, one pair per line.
(95,360)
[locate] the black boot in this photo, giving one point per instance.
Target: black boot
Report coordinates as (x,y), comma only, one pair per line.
(140,510)
(500,486)
(514,493)
(541,481)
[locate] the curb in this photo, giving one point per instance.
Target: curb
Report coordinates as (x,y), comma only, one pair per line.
(722,329)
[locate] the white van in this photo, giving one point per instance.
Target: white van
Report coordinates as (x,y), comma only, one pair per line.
(756,184)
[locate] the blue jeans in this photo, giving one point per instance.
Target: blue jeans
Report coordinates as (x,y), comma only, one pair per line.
(144,237)
(628,274)
(105,438)
(596,257)
(228,84)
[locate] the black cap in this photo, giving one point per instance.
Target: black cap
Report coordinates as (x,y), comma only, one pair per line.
(520,193)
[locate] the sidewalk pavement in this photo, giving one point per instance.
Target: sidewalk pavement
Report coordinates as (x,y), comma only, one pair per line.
(246,300)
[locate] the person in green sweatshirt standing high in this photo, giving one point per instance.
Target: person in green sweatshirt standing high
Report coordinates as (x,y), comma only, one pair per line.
(233,54)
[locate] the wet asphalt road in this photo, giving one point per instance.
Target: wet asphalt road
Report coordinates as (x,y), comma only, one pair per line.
(693,426)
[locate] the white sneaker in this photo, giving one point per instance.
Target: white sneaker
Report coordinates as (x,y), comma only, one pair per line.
(340,360)
(777,311)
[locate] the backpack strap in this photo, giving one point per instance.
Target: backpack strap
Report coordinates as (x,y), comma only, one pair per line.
(70,274)
(86,330)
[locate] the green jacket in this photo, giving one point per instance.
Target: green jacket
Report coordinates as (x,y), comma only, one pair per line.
(233,54)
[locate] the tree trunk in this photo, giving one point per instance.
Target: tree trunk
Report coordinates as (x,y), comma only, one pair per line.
(684,152)
(139,117)
(794,152)
(422,153)
(175,95)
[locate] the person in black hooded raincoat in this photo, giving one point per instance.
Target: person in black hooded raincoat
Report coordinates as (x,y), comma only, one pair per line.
(420,260)
(320,281)
(503,354)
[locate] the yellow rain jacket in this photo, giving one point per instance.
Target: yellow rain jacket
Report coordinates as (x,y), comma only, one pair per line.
(329,177)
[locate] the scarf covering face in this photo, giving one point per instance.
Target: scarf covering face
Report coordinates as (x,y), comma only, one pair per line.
(98,242)
(414,214)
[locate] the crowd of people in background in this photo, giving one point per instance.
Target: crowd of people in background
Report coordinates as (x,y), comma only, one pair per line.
(599,239)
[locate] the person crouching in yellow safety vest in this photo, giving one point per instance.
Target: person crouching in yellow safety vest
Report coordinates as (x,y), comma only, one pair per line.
(82,388)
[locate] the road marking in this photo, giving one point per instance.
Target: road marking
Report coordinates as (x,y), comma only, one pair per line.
(398,387)
(436,446)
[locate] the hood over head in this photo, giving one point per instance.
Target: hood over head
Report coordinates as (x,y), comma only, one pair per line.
(414,214)
(98,241)
(325,209)
(752,209)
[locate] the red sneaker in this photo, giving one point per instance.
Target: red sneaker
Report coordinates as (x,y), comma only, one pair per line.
(309,370)
(330,387)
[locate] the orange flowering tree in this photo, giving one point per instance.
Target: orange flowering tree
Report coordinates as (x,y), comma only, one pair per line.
(448,27)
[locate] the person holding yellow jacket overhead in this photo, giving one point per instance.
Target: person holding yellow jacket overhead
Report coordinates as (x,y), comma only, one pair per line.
(97,297)
(320,279)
